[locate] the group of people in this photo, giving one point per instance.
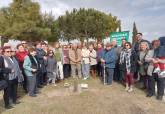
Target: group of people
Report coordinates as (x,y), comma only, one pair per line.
(39,64)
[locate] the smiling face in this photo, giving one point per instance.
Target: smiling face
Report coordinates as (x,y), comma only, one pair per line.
(143,46)
(21,48)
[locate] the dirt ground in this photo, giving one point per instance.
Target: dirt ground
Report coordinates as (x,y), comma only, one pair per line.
(97,99)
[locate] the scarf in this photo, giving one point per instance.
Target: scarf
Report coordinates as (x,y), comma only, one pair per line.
(128,60)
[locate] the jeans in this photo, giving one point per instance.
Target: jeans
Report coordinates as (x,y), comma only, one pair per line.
(85,70)
(109,75)
(31,84)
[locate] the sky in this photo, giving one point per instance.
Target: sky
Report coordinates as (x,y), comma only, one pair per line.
(149,15)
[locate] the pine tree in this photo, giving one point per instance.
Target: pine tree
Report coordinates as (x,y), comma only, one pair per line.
(135,31)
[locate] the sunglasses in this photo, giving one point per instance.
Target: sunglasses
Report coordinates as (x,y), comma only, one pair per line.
(8,51)
(127,45)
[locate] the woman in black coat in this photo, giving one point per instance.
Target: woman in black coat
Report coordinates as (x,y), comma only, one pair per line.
(128,65)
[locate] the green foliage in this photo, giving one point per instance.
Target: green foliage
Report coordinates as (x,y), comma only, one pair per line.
(86,23)
(135,31)
(22,20)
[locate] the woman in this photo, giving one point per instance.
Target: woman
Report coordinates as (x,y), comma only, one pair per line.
(66,62)
(85,61)
(20,55)
(152,59)
(12,76)
(144,47)
(128,63)
(30,66)
(93,60)
(51,68)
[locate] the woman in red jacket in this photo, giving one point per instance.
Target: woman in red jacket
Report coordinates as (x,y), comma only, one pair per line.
(20,55)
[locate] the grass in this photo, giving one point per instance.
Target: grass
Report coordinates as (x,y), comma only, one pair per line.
(97,99)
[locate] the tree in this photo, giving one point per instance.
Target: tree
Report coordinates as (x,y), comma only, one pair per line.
(86,23)
(135,31)
(22,20)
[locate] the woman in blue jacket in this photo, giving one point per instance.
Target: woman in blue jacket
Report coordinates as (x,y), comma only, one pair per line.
(108,59)
(30,66)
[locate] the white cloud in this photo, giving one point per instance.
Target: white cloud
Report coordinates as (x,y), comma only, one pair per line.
(148,14)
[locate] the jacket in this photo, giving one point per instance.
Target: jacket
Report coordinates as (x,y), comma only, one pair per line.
(72,56)
(110,58)
(27,66)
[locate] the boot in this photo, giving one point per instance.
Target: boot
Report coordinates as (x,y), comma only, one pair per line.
(127,87)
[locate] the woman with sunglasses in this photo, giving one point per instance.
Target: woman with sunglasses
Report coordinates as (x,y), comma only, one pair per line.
(128,63)
(51,68)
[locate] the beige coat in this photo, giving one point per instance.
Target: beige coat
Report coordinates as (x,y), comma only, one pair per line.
(72,56)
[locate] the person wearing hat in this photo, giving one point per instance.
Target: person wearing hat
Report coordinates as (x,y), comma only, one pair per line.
(109,59)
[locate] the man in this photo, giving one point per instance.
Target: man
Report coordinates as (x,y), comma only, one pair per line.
(41,58)
(109,59)
(139,40)
(136,47)
(75,60)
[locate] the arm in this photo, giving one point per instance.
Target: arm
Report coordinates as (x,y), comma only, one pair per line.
(111,58)
(26,64)
(93,54)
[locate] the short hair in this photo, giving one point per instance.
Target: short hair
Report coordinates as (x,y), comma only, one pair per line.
(36,43)
(139,33)
(31,49)
(146,43)
(6,47)
(19,45)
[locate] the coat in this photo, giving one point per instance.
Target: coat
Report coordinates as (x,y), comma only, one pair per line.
(93,57)
(133,59)
(72,56)
(51,67)
(27,66)
(109,57)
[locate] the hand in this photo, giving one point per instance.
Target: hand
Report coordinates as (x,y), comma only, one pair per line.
(102,60)
(12,71)
(155,61)
(140,63)
(34,70)
(45,58)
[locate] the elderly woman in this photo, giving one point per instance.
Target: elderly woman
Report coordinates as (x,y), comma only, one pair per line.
(12,76)
(153,57)
(85,61)
(30,66)
(142,68)
(128,63)
(20,55)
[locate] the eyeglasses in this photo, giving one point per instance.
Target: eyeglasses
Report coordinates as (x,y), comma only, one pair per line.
(127,45)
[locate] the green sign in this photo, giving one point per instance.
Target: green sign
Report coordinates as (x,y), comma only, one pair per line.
(118,36)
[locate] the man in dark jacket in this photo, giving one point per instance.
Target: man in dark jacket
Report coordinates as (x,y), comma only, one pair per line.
(41,57)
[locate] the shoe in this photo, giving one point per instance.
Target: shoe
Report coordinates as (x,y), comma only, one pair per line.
(17,102)
(127,88)
(33,95)
(130,90)
(159,97)
(9,107)
(40,86)
(149,95)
